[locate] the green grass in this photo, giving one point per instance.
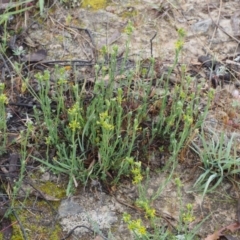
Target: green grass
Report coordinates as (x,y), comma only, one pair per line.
(3,122)
(219,160)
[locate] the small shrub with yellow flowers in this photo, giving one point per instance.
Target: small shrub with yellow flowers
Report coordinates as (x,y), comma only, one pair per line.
(136,226)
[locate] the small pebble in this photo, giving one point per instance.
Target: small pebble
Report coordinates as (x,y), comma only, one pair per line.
(235,93)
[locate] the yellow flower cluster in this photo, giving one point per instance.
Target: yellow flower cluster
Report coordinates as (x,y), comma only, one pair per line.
(74,125)
(137,176)
(48,140)
(104,121)
(134,225)
(3,99)
(188,119)
(150,212)
(43,77)
(179,45)
(129,28)
(180,42)
(188,216)
(61,81)
(135,170)
(75,116)
(74,110)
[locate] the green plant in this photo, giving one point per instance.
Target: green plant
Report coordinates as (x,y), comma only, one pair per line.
(137,226)
(104,131)
(93,138)
(178,120)
(4,18)
(152,218)
(99,127)
(186,215)
(219,160)
(41,6)
(3,119)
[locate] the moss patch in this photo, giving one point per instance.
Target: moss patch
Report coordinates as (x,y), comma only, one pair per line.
(53,189)
(94,4)
(37,217)
(128,13)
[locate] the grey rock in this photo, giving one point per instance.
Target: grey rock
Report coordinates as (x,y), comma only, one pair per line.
(68,208)
(202,26)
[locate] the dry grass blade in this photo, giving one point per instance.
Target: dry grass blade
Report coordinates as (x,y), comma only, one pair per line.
(238,210)
(235,22)
(9,4)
